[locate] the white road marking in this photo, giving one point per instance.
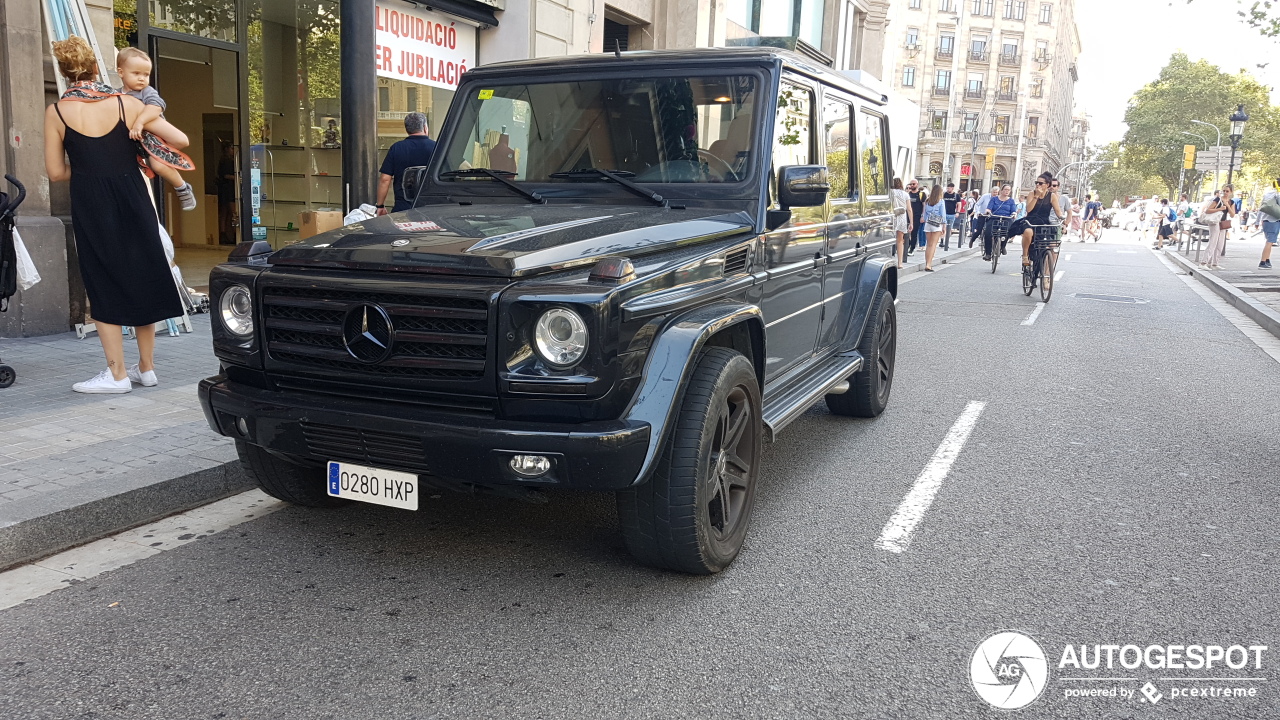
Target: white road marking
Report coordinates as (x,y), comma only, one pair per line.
(1265,341)
(1035,313)
(896,535)
(1058,275)
(77,564)
(1090,250)
(1066,256)
(1127,252)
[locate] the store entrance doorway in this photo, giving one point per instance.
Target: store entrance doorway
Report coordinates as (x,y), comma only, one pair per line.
(200,85)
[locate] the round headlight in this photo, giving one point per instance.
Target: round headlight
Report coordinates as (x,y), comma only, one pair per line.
(236,308)
(560,337)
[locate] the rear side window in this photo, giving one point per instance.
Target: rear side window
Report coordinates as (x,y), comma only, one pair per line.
(837,131)
(872,158)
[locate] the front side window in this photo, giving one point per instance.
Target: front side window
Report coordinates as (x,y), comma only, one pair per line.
(791,132)
(656,130)
(872,156)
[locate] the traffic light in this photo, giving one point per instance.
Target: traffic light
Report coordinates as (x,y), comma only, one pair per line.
(991,158)
(1189,156)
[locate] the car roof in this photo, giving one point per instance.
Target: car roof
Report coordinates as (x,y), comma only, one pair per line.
(726,57)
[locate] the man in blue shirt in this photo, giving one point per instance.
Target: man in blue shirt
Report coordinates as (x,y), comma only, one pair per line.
(412,151)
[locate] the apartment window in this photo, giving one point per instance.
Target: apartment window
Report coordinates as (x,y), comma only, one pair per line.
(913,36)
(1007,85)
(1002,125)
(983,7)
(1042,49)
(971,122)
(411,99)
(1033,127)
(1009,48)
(1015,9)
(978,48)
(384,99)
(946,6)
(946,44)
(909,76)
(915,5)
(975,82)
(938,120)
(943,80)
(1046,13)
(1037,88)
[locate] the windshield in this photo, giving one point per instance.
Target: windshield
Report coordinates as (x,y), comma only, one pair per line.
(651,130)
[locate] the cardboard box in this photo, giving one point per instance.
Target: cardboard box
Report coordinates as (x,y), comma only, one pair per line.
(313,222)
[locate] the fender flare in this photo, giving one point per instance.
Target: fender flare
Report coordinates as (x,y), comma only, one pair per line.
(670,364)
(876,273)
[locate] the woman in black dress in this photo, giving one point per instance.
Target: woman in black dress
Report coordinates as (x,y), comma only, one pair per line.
(117,233)
(1039,203)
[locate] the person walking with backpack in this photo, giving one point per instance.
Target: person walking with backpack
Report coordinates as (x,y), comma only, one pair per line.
(1165,223)
(1269,212)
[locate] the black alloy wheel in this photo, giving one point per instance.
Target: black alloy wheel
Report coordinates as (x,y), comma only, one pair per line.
(693,513)
(7,376)
(869,388)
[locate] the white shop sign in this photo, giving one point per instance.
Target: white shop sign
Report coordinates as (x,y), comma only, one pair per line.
(421,46)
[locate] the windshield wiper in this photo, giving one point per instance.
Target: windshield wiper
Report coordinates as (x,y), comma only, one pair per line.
(499,175)
(618,176)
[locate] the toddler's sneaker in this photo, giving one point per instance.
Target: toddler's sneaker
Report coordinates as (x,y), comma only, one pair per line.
(145,379)
(187,196)
(103,384)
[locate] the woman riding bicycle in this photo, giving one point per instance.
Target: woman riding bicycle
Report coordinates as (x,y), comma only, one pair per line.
(1040,205)
(1002,206)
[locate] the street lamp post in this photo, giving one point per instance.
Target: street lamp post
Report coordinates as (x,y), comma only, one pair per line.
(1219,156)
(1238,119)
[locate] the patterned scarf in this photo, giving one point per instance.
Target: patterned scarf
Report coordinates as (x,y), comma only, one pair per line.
(150,145)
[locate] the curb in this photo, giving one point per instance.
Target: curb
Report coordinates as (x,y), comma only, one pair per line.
(1266,317)
(32,530)
(910,267)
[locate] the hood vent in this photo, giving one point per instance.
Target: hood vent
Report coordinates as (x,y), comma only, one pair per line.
(735,262)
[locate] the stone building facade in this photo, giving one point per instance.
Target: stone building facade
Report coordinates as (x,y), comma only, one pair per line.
(987,74)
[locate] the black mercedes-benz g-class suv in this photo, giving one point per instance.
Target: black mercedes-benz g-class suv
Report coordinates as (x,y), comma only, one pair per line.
(621,273)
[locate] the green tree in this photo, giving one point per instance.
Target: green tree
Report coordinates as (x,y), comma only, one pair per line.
(1121,181)
(1185,91)
(1262,15)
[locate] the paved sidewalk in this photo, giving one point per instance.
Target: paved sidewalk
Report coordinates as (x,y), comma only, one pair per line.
(75,467)
(1252,290)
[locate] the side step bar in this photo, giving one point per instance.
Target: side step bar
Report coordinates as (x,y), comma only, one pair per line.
(782,410)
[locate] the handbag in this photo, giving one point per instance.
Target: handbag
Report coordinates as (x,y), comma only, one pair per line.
(1225,224)
(1271,208)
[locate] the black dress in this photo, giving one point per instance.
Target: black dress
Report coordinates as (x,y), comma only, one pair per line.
(117,233)
(1038,215)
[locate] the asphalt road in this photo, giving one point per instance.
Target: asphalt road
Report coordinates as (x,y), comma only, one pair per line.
(1119,487)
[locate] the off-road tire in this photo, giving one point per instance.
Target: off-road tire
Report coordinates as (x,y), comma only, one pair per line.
(298,483)
(669,522)
(868,393)
(7,376)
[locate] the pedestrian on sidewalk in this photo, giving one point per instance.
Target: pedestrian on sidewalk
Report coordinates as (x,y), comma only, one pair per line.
(1218,211)
(117,233)
(950,198)
(917,195)
(970,204)
(1166,219)
(935,222)
(1269,213)
(901,217)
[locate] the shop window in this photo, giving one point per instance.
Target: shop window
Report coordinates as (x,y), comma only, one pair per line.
(214,19)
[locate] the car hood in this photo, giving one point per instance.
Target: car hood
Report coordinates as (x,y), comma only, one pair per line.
(508,240)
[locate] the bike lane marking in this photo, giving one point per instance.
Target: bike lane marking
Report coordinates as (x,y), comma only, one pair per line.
(896,535)
(1035,313)
(125,548)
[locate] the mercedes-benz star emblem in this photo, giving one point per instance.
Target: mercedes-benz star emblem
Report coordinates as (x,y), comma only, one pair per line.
(368,334)
(400,243)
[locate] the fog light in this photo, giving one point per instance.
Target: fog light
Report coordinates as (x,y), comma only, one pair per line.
(530,465)
(243,426)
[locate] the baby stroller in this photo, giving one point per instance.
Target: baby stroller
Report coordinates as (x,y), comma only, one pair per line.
(8,260)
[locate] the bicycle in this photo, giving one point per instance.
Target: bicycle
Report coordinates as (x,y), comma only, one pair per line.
(1044,259)
(995,231)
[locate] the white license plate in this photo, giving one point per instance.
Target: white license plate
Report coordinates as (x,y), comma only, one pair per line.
(373,485)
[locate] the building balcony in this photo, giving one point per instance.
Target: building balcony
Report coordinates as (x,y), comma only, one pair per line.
(978,56)
(944,54)
(1010,60)
(941,91)
(1004,139)
(1007,96)
(973,93)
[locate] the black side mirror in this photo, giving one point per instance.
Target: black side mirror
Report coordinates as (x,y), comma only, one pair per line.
(412,182)
(802,185)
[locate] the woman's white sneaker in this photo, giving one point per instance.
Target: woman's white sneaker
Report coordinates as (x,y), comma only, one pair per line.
(103,383)
(145,379)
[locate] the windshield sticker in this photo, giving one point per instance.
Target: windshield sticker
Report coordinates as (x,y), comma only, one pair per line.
(420,226)
(486,94)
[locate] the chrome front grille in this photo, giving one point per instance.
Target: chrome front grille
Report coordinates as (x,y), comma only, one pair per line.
(436,337)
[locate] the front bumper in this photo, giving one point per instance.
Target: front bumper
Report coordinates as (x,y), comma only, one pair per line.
(471,449)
